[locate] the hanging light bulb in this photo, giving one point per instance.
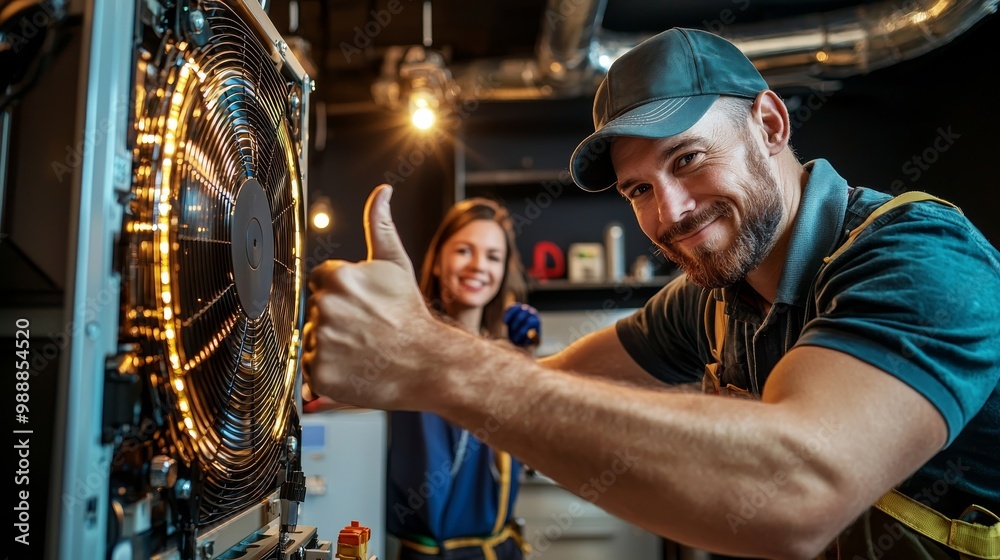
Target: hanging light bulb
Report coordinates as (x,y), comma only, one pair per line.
(423,109)
(321,214)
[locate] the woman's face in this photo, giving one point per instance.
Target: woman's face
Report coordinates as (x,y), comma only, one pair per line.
(471,265)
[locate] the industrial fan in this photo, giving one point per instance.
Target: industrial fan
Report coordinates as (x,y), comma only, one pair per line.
(212,276)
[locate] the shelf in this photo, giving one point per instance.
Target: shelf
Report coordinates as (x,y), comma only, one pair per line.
(563,295)
(516,177)
(566,285)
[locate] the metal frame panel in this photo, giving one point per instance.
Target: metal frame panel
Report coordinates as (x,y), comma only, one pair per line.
(79,502)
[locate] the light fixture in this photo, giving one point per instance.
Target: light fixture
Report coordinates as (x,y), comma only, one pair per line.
(423,108)
(416,80)
(321,214)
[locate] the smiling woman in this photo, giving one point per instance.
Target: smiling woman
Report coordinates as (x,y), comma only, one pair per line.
(449,493)
(472,269)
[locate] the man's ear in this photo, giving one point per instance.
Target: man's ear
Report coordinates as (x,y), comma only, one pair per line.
(771,115)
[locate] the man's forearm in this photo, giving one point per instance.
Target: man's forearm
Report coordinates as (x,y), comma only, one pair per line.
(686,466)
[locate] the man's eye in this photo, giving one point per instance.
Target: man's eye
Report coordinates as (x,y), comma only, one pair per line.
(686,159)
(636,191)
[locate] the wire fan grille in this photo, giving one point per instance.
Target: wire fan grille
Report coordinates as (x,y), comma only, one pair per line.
(213,293)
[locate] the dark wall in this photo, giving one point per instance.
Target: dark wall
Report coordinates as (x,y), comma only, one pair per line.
(363,151)
(925,124)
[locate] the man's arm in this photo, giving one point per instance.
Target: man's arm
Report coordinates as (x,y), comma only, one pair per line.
(601,354)
(778,478)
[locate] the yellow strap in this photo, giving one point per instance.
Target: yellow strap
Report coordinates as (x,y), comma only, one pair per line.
(504,463)
(463,542)
(717,333)
(421,548)
(968,538)
(492,540)
(500,532)
(895,202)
(721,323)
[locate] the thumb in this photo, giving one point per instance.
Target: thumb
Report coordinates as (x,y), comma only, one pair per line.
(380,232)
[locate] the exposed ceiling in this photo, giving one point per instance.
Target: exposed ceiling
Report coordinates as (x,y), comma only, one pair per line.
(350,39)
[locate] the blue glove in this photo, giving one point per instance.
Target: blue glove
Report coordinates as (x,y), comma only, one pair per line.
(523,324)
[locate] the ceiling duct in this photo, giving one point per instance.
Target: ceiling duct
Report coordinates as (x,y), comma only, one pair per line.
(814,50)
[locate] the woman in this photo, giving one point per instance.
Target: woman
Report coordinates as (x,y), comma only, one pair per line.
(449,494)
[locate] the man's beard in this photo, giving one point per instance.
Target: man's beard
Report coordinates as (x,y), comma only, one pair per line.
(754,240)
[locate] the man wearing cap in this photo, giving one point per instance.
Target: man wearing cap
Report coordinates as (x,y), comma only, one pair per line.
(857,337)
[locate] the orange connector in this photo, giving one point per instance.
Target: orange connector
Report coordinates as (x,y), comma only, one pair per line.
(352,542)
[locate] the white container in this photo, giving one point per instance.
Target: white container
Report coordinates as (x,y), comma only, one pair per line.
(585,262)
(614,248)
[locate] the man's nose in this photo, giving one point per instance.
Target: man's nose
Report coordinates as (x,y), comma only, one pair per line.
(673,202)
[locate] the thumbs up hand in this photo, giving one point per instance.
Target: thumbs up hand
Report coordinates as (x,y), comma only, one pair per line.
(360,341)
(380,231)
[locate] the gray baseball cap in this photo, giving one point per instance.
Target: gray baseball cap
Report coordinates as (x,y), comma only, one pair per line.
(657,89)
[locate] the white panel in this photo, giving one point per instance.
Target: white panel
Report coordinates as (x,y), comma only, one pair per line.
(561,328)
(343,458)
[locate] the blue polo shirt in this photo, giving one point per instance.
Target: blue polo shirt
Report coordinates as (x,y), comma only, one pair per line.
(917,295)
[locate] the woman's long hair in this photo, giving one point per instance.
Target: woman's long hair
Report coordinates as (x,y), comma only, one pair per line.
(512,287)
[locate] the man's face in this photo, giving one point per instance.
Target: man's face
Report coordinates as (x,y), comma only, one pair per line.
(705,197)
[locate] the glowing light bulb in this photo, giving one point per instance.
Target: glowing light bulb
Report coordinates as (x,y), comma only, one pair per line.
(423,118)
(423,108)
(321,220)
(321,213)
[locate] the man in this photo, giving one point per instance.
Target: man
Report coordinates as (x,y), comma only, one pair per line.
(866,362)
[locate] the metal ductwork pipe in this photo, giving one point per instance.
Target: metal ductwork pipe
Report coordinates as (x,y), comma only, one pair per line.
(855,41)
(561,66)
(568,31)
(573,53)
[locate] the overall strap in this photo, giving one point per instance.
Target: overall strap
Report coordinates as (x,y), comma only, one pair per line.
(895,202)
(978,540)
(715,327)
(716,320)
(968,538)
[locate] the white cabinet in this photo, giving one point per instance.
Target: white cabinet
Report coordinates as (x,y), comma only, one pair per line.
(561,526)
(343,458)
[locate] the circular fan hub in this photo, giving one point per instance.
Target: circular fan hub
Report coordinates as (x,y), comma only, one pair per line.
(253,248)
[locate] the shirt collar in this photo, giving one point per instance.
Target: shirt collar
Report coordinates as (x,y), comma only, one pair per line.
(816,231)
